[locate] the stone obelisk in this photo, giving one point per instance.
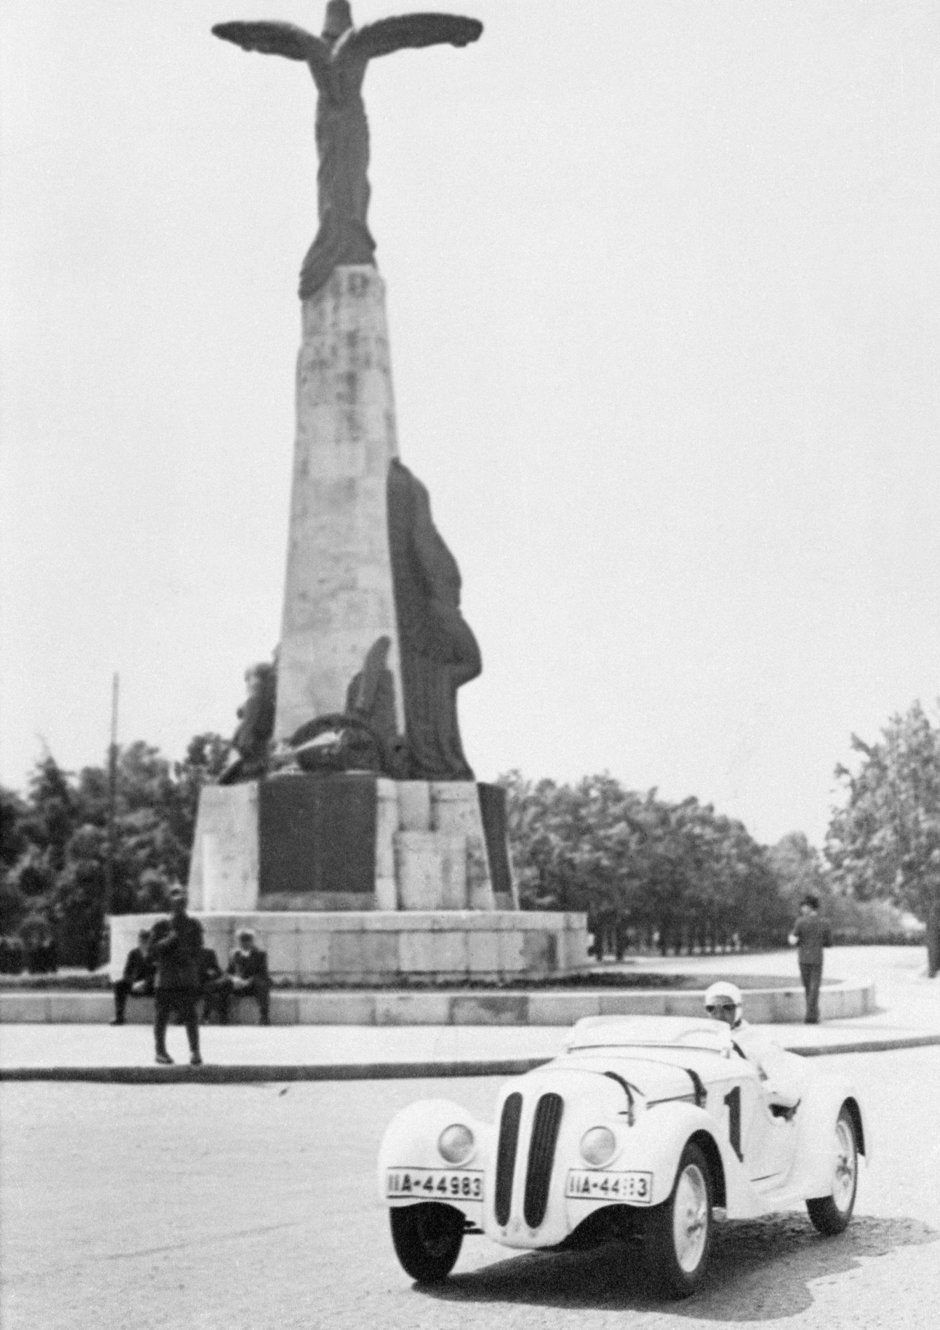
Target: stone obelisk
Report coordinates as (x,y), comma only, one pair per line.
(339,594)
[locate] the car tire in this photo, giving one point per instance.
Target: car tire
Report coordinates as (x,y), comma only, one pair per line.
(831,1214)
(427,1239)
(679,1231)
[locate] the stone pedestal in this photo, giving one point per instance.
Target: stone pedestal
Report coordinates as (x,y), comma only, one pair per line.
(350,842)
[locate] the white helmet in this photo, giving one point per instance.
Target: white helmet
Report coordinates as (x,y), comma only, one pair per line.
(724,994)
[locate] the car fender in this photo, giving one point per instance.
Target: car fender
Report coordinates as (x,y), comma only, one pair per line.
(410,1141)
(815,1120)
(662,1133)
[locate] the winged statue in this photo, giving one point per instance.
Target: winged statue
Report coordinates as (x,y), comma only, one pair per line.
(337,61)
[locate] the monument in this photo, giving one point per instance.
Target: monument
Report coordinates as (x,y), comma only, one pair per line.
(349,829)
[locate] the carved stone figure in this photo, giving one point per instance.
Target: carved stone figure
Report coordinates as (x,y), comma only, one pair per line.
(439,652)
(371,693)
(256,725)
(364,737)
(337,61)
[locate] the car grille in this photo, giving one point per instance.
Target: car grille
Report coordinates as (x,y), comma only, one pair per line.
(545,1126)
(541,1157)
(506,1156)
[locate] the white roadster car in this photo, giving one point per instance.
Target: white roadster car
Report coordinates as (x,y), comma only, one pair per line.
(644,1126)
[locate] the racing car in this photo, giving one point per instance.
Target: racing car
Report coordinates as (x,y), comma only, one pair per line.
(642,1128)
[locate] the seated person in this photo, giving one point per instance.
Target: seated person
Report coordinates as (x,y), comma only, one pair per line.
(781,1072)
(246,976)
(211,983)
(137,980)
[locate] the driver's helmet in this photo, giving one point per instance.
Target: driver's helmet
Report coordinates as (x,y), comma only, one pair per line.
(723,994)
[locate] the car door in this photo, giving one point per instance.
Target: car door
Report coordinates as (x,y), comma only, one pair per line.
(739,1103)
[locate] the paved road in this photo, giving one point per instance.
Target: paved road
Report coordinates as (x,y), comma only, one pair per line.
(150,1207)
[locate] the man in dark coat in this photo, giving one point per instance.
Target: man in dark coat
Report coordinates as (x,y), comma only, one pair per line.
(247,976)
(211,982)
(176,945)
(137,980)
(811,934)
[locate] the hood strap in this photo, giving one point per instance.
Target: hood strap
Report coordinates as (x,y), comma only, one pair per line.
(697,1085)
(631,1103)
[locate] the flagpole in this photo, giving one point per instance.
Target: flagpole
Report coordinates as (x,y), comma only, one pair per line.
(112,796)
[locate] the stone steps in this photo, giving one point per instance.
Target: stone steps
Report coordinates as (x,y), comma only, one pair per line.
(432,1007)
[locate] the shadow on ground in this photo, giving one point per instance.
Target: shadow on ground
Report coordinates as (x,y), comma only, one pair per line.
(760,1270)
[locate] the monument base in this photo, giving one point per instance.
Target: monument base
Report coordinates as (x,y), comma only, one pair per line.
(354,841)
(391,947)
(356,879)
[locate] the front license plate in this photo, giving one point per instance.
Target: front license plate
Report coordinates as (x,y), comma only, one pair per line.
(458,1184)
(589,1184)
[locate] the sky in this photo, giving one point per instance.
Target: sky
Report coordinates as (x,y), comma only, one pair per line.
(663,292)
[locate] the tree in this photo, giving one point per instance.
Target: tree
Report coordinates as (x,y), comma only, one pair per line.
(679,873)
(53,813)
(884,842)
(65,862)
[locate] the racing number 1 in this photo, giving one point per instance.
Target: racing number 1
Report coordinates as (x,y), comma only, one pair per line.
(733,1100)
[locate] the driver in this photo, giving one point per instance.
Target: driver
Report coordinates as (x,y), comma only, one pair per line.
(781,1072)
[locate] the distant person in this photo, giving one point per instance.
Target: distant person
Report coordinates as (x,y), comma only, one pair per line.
(176,946)
(781,1072)
(137,979)
(247,976)
(42,956)
(15,958)
(811,934)
(93,951)
(211,984)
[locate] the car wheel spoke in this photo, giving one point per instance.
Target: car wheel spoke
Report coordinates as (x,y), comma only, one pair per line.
(690,1221)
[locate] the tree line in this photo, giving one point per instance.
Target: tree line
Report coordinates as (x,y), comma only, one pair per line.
(649,872)
(74,848)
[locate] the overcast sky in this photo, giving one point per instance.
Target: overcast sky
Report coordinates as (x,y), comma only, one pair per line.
(664,304)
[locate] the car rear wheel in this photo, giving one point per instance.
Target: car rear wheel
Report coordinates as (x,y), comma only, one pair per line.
(831,1213)
(427,1239)
(678,1232)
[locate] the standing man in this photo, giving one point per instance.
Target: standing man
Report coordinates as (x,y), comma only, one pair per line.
(176,949)
(811,933)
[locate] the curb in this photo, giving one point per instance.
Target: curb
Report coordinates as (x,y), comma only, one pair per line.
(380,1007)
(239,1074)
(884,1045)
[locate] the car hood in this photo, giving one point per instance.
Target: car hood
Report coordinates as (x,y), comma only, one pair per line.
(652,1078)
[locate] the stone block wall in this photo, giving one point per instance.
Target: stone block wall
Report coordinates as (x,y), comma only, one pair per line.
(382,947)
(350,842)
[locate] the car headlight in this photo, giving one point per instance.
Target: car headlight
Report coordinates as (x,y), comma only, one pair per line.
(456,1143)
(598,1146)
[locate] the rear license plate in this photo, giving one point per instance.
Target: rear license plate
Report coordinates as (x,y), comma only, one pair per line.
(437,1184)
(588,1184)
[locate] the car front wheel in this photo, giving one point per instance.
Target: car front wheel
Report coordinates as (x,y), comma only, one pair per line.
(678,1232)
(831,1213)
(427,1239)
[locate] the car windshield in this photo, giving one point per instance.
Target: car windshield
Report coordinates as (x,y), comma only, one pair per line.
(649,1032)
